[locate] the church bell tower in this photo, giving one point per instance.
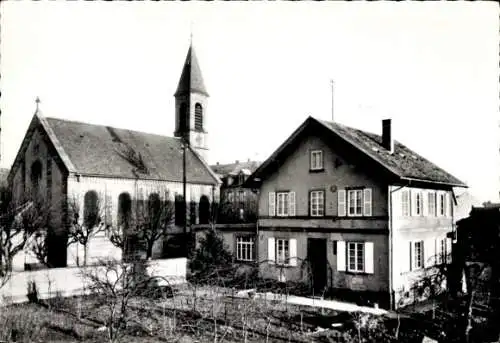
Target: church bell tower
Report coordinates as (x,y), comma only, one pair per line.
(191,106)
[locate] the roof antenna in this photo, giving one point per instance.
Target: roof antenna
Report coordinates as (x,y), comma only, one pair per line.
(331,85)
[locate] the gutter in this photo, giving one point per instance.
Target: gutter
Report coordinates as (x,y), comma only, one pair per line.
(409,179)
(391,267)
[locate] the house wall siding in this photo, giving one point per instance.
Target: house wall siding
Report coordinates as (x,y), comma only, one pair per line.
(406,229)
(339,173)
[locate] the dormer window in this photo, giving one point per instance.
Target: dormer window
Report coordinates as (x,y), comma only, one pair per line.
(316,160)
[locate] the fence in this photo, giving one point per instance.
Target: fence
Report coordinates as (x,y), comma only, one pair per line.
(69,282)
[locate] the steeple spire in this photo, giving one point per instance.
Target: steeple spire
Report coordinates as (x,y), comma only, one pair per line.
(37,102)
(191,80)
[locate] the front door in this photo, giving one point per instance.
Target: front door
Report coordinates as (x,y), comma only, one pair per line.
(316,250)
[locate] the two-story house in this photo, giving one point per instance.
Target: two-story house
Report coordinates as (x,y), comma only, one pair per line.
(345,209)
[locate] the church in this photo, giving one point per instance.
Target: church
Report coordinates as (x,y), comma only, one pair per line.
(60,161)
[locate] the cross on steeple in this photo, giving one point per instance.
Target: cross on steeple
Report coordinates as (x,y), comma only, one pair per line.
(37,101)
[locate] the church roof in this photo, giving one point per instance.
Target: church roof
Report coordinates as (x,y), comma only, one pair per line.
(98,150)
(191,79)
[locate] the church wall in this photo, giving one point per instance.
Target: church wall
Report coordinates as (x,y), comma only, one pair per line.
(138,189)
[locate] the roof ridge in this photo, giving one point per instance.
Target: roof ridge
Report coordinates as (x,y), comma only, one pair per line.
(112,127)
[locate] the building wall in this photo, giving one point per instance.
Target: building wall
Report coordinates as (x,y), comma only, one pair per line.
(140,189)
(426,227)
(338,174)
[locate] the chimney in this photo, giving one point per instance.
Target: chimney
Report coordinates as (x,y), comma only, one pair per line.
(387,141)
(217,163)
(237,161)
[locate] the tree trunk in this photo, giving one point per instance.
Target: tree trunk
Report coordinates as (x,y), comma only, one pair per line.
(149,251)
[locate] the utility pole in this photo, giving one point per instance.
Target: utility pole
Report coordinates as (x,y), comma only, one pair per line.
(184,146)
(331,85)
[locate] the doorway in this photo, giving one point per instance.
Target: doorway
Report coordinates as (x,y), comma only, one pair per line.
(316,251)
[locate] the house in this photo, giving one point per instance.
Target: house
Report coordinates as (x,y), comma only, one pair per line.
(238,204)
(351,211)
(63,161)
(465,202)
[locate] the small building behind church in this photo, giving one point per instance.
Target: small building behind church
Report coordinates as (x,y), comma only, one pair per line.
(64,162)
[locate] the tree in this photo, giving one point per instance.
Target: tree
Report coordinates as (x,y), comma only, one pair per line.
(17,223)
(81,230)
(153,220)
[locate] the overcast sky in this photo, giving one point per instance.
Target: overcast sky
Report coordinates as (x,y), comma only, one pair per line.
(433,67)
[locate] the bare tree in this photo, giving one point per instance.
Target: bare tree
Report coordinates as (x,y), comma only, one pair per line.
(83,229)
(17,224)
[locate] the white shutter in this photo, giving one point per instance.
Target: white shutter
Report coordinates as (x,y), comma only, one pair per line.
(271,255)
(341,256)
(425,203)
(293,252)
(369,257)
(413,204)
(367,202)
(446,204)
(438,204)
(291,204)
(272,204)
(411,256)
(429,252)
(341,211)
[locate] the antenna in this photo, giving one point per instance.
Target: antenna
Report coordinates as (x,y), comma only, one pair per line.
(331,85)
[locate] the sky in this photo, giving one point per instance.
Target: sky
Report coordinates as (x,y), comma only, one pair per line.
(432,67)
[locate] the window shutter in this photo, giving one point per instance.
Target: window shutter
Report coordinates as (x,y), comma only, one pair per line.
(291,204)
(425,204)
(411,258)
(429,252)
(341,203)
(341,256)
(446,204)
(293,252)
(272,204)
(438,204)
(271,256)
(369,257)
(414,203)
(367,202)
(405,203)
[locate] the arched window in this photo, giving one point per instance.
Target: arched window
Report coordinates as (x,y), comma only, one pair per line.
(154,206)
(91,216)
(204,210)
(183,118)
(198,117)
(124,210)
(36,177)
(180,210)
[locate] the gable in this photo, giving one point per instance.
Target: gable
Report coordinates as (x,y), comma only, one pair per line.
(366,150)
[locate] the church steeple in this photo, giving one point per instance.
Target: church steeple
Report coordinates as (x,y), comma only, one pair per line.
(191,79)
(191,105)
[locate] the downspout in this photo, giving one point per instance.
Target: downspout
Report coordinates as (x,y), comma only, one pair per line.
(391,267)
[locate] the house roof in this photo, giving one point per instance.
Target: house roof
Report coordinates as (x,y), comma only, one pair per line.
(246,167)
(402,162)
(191,78)
(90,149)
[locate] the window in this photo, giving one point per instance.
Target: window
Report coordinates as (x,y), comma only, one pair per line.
(316,160)
(405,200)
(183,118)
(230,196)
(317,200)
(355,200)
(180,210)
(356,257)
(441,253)
(245,248)
(418,255)
(282,251)
(418,204)
(442,204)
(91,215)
(36,177)
(282,204)
(241,196)
(124,210)
(198,117)
(431,201)
(204,210)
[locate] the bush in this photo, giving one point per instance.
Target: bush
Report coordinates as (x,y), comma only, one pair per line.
(211,257)
(32,292)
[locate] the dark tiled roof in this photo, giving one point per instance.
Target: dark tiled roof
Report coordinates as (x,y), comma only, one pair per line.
(191,79)
(102,150)
(235,168)
(403,161)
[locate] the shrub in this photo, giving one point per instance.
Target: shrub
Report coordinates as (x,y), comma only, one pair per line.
(32,292)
